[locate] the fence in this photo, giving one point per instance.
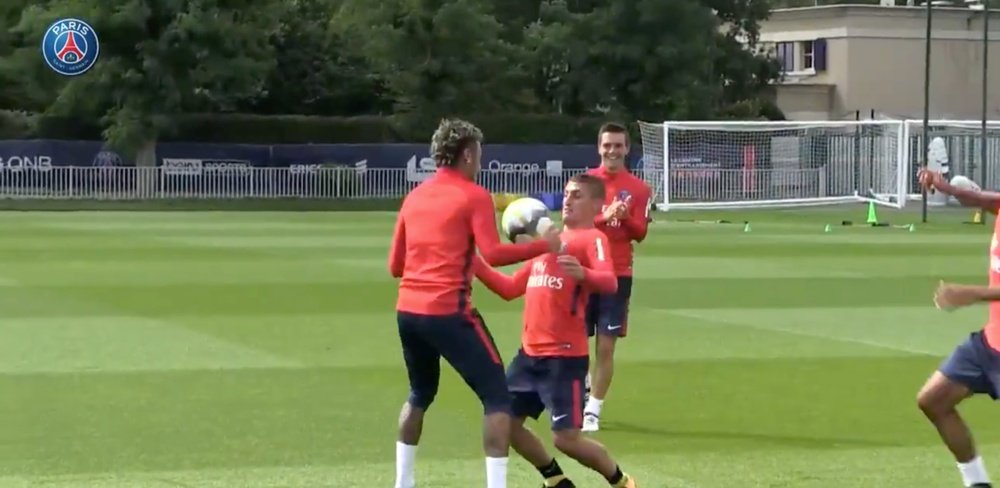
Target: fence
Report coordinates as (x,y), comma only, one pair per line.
(151,183)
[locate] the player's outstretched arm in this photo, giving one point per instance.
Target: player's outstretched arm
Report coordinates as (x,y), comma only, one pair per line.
(397,251)
(484,228)
(949,296)
(986,200)
(507,287)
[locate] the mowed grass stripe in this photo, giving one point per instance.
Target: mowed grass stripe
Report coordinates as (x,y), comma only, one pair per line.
(105,344)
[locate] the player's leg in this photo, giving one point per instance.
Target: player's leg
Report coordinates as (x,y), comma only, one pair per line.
(468,346)
(611,323)
(562,393)
(964,373)
(522,378)
(423,368)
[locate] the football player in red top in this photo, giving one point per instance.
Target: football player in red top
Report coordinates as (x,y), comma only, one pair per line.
(974,366)
(551,366)
(624,218)
(440,225)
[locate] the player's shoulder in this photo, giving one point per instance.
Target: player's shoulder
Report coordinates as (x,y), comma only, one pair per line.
(637,182)
(587,237)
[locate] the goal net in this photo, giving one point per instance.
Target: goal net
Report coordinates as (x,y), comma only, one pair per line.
(734,164)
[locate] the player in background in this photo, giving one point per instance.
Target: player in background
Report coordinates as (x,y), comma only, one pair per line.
(624,218)
(440,225)
(974,366)
(551,366)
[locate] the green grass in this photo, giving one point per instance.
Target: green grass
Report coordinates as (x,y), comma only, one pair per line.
(229,349)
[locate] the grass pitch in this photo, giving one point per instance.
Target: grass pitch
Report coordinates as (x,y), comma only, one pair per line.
(260,350)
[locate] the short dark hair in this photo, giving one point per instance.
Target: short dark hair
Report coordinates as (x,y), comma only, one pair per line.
(613,128)
(451,138)
(593,184)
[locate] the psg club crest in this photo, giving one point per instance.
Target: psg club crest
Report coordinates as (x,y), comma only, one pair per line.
(70,47)
(623,195)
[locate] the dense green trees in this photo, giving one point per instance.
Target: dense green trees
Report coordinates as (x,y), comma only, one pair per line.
(413,59)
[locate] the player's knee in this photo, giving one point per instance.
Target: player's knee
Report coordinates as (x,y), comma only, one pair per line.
(605,348)
(940,396)
(422,398)
(496,401)
(567,440)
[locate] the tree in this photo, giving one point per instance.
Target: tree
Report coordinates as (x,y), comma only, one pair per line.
(315,73)
(437,57)
(641,58)
(158,60)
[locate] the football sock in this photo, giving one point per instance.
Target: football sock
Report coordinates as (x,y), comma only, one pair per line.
(973,472)
(405,457)
(617,478)
(594,406)
(496,472)
(552,473)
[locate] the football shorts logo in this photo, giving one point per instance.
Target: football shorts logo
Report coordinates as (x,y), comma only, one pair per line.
(70,47)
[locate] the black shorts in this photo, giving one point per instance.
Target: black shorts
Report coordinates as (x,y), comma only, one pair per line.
(608,314)
(465,342)
(555,384)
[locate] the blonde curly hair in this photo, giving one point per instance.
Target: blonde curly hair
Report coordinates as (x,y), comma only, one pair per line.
(451,138)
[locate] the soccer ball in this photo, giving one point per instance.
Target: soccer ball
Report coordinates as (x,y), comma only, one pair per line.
(963,182)
(525,216)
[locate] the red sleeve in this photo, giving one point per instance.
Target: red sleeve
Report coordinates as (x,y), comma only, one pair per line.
(637,223)
(505,286)
(600,276)
(397,251)
(484,228)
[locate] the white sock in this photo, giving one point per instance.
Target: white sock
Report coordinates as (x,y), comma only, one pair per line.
(496,472)
(973,471)
(406,456)
(594,406)
(587,383)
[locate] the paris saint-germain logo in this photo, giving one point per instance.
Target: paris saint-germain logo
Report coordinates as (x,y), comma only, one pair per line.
(623,195)
(70,47)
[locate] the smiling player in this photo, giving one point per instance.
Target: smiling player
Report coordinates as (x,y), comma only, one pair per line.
(550,368)
(624,218)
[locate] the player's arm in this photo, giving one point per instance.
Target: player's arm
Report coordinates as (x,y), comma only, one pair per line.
(950,295)
(637,222)
(986,200)
(506,287)
(600,276)
(397,251)
(484,229)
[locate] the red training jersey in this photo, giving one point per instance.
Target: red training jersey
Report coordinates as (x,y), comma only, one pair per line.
(554,302)
(992,329)
(440,224)
(623,185)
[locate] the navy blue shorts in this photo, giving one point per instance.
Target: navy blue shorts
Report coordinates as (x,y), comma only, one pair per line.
(608,314)
(465,342)
(555,384)
(974,364)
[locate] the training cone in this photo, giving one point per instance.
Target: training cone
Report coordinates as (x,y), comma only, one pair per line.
(912,228)
(977,218)
(746,227)
(872,216)
(827,228)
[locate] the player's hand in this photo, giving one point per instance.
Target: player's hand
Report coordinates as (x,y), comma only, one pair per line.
(571,265)
(930,179)
(523,238)
(950,296)
(614,210)
(554,236)
(621,211)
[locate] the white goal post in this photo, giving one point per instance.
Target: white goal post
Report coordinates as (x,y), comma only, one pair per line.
(748,164)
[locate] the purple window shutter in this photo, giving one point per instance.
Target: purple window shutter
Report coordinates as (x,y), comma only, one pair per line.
(819,54)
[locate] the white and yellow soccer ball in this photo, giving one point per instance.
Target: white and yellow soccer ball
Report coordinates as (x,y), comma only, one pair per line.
(525,216)
(965,183)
